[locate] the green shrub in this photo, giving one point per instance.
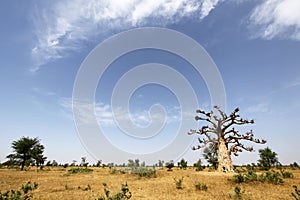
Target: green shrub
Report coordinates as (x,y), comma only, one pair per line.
(144,171)
(122,195)
(269,176)
(238,192)
(296,194)
(23,194)
(178,183)
(286,174)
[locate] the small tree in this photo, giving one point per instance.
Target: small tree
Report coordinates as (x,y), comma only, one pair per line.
(170,165)
(84,162)
(198,165)
(27,150)
(268,158)
(182,164)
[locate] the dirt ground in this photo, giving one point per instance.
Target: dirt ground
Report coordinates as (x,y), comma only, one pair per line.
(56,183)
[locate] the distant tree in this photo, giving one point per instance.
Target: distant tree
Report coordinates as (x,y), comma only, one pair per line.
(84,162)
(28,150)
(210,154)
(160,163)
(136,162)
(37,155)
(73,163)
(268,158)
(182,164)
(143,164)
(131,163)
(99,163)
(54,163)
(170,165)
(48,164)
(221,132)
(198,165)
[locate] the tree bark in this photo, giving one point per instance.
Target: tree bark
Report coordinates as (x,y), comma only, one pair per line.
(224,158)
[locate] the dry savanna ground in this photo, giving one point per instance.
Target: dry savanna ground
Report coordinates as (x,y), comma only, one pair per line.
(56,183)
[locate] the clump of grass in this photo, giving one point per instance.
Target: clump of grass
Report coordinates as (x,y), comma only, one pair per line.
(122,195)
(179,182)
(22,194)
(79,170)
(200,186)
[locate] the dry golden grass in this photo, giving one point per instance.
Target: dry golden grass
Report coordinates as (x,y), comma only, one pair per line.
(54,183)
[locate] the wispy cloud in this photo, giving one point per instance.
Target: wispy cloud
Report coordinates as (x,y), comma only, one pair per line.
(105,117)
(62,26)
(276,18)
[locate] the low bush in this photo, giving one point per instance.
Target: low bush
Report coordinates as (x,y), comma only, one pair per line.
(270,176)
(79,170)
(178,183)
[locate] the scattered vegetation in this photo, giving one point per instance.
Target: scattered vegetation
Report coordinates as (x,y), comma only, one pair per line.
(238,193)
(79,170)
(23,194)
(270,176)
(122,195)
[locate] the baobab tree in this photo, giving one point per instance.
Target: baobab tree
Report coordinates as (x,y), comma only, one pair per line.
(222,133)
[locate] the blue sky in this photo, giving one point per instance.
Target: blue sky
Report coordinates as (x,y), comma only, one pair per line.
(254,44)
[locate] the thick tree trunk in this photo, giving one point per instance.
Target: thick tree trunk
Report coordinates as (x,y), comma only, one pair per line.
(224,158)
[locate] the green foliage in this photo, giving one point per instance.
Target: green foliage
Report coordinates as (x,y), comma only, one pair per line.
(122,195)
(210,153)
(22,194)
(296,193)
(200,186)
(79,170)
(170,165)
(179,182)
(27,151)
(182,164)
(268,158)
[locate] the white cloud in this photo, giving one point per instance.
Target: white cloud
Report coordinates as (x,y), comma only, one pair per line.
(276,18)
(62,26)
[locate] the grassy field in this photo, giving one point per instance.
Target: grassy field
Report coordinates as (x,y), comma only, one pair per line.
(57,183)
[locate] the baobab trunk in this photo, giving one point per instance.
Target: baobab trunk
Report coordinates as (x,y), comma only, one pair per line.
(224,158)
